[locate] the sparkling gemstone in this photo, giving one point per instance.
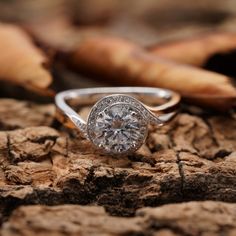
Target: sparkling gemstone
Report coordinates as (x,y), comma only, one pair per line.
(119,128)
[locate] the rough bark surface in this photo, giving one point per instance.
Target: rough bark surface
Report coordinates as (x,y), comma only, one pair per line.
(189,219)
(192,158)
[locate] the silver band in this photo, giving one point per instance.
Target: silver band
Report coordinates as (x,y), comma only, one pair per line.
(138,97)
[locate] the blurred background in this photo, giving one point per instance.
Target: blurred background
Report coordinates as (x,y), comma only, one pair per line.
(145,22)
(58,26)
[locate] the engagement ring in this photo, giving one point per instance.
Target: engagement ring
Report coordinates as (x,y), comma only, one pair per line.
(118,121)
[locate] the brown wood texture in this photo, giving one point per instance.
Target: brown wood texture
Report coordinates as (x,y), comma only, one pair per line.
(193,158)
(197,218)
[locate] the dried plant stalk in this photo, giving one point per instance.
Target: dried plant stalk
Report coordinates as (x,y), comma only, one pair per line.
(125,63)
(196,50)
(21,62)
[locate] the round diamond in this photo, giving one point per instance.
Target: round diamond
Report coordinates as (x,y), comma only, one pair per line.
(119,128)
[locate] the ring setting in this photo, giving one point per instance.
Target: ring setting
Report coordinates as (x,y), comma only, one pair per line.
(118,122)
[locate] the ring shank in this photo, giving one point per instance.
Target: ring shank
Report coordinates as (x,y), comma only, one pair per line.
(89,96)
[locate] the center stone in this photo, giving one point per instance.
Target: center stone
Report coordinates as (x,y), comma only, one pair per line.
(119,128)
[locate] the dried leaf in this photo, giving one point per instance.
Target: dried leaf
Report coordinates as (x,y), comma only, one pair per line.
(60,34)
(21,62)
(125,63)
(196,50)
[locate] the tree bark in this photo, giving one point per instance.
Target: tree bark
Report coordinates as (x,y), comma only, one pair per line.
(190,159)
(188,219)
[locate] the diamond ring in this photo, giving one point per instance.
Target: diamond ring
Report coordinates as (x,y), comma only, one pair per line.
(118,121)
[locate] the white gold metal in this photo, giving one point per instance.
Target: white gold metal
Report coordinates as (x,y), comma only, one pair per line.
(118,121)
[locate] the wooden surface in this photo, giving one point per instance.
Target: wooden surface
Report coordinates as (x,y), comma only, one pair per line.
(187,219)
(191,159)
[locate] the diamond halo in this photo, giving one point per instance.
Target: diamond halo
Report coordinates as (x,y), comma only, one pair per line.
(117,124)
